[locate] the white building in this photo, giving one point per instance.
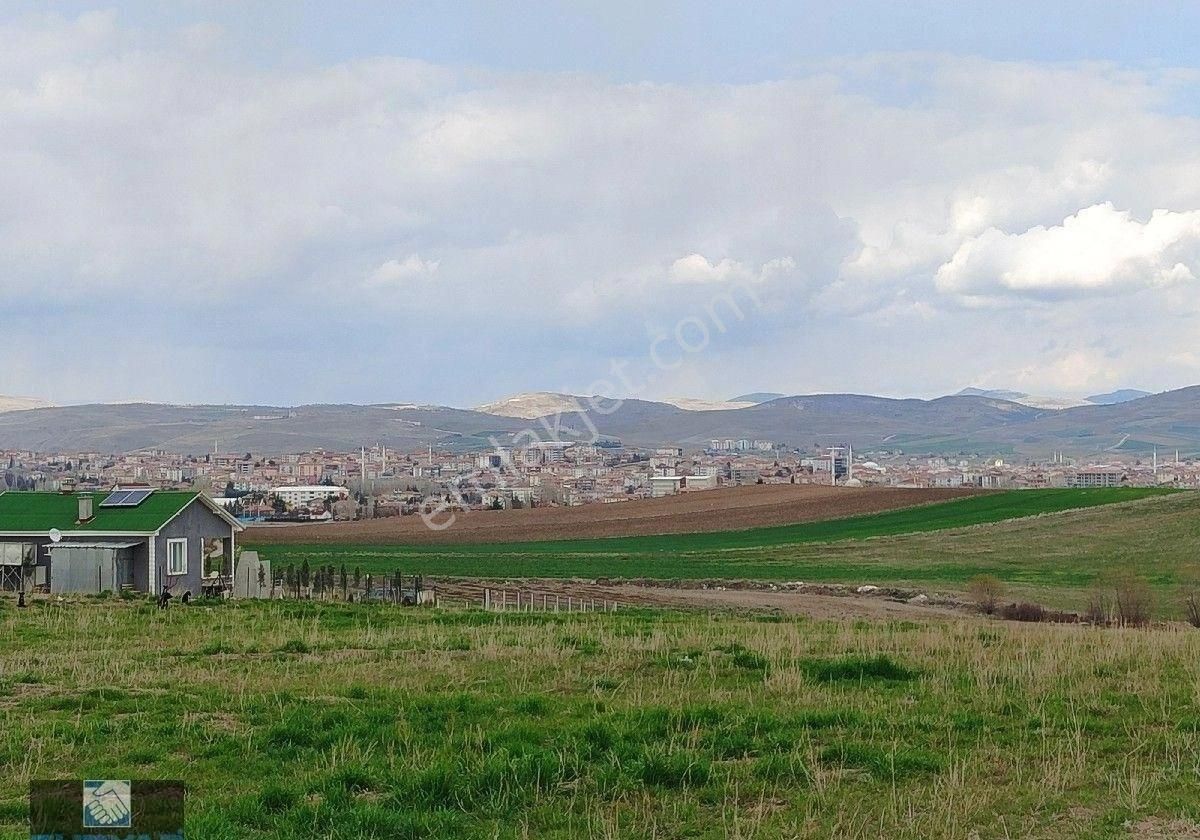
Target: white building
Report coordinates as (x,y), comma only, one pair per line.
(665,485)
(699,482)
(307,494)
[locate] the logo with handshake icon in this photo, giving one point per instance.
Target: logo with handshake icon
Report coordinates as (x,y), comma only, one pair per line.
(107,804)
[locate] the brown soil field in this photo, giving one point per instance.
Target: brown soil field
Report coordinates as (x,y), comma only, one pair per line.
(724,509)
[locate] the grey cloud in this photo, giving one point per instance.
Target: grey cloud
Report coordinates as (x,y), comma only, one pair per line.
(404,207)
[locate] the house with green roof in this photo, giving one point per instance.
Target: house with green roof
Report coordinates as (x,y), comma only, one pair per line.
(128,539)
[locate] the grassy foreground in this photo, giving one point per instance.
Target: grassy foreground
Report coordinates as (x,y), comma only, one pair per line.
(354,721)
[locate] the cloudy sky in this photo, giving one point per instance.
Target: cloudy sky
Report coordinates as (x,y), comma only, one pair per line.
(287,203)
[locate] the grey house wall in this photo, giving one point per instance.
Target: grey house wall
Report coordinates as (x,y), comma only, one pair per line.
(141,566)
(196,523)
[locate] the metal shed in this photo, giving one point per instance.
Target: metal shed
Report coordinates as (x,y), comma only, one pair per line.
(92,567)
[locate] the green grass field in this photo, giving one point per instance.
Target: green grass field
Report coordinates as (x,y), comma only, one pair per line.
(312,720)
(941,546)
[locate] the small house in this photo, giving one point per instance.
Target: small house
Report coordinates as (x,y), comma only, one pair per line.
(141,540)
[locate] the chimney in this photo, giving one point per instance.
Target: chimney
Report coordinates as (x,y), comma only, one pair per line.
(85,509)
(66,486)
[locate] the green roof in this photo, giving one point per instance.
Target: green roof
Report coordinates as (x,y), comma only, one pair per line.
(40,512)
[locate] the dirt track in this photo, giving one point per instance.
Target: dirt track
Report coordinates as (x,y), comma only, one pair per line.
(815,601)
(724,509)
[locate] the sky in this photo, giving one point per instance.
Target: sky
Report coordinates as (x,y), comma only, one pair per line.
(286,203)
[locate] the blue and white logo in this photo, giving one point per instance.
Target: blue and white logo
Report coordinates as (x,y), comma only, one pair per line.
(106,804)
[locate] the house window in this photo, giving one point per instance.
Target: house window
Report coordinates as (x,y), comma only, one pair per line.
(177,557)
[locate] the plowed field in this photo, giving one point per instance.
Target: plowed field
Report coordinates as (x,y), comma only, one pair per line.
(725,509)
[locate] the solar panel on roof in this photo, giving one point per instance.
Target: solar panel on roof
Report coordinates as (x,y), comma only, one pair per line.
(115,499)
(126,498)
(136,497)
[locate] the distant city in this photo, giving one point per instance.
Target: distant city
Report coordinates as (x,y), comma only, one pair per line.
(379,482)
(546,449)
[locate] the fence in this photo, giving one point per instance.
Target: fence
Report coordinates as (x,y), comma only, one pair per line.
(501,600)
(325,583)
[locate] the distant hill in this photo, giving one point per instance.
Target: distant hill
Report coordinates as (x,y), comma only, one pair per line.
(757,397)
(993,393)
(1121,396)
(197,429)
(956,424)
(543,403)
(20,403)
(531,405)
(968,424)
(689,404)
(1021,397)
(814,421)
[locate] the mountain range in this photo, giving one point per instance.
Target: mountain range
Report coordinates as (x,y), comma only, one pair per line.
(968,423)
(20,403)
(1113,398)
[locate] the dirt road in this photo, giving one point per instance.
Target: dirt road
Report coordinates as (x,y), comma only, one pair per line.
(815,601)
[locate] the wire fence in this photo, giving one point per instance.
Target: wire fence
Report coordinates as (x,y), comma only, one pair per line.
(503,600)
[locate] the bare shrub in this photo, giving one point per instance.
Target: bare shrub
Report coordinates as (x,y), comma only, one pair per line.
(1061,617)
(1133,599)
(1191,603)
(1099,608)
(1024,611)
(986,591)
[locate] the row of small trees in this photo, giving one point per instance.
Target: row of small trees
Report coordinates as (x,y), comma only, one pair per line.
(328,582)
(322,582)
(1122,598)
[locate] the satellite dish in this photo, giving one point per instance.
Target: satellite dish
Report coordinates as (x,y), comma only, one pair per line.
(55,535)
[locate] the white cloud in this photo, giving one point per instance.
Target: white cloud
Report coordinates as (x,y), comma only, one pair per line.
(396,274)
(159,167)
(696,268)
(1077,373)
(1098,250)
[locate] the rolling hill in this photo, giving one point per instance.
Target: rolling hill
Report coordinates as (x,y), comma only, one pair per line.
(20,403)
(1114,397)
(197,429)
(951,425)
